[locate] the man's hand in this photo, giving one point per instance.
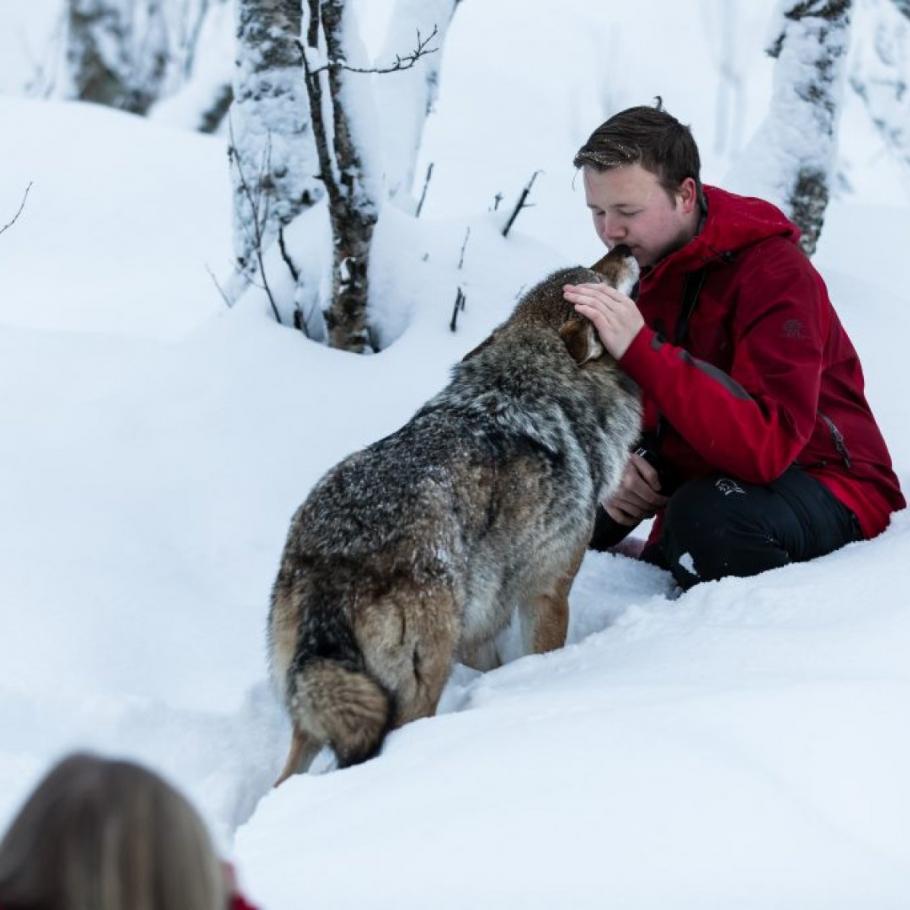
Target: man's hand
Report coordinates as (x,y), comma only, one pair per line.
(638,495)
(614,315)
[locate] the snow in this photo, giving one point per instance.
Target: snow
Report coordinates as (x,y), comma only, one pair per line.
(102,180)
(744,744)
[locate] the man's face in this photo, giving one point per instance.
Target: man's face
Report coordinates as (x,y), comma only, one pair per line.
(630,206)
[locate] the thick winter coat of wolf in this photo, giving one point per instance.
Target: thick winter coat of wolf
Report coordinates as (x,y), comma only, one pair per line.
(415,551)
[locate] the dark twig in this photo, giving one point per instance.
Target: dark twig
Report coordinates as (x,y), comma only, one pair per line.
(522,204)
(496,200)
(423,195)
(9,224)
(302,321)
(224,296)
(286,256)
(460,301)
(372,339)
(467,234)
(400,64)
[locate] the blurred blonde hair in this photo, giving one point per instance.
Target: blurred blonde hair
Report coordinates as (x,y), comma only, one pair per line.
(98,834)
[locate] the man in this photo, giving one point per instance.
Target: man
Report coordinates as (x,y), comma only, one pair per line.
(759,447)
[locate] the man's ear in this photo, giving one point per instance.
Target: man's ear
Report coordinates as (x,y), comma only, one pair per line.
(581,339)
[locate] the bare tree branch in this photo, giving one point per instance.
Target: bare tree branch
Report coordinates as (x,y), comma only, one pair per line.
(254,202)
(400,64)
(460,301)
(314,90)
(224,296)
(9,224)
(464,245)
(286,256)
(521,204)
(423,194)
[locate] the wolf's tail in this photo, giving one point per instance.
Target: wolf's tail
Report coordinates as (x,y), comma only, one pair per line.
(346,708)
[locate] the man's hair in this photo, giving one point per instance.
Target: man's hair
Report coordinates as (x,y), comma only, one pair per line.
(648,136)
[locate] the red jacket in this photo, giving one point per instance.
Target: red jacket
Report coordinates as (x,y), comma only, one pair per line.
(766,375)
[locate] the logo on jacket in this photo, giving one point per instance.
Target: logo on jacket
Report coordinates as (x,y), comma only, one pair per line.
(793,328)
(728,486)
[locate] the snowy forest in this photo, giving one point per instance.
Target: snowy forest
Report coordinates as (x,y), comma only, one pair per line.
(241,239)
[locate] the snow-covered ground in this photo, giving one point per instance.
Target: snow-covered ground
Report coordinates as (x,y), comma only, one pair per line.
(744,745)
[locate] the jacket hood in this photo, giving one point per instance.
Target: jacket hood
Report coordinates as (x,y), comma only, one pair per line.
(732,223)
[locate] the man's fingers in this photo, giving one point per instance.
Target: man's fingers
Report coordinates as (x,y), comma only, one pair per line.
(646,471)
(638,500)
(595,290)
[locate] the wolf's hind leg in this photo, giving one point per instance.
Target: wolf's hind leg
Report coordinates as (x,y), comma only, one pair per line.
(431,667)
(303,750)
(408,640)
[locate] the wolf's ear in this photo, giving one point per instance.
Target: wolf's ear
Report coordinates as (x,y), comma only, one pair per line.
(581,339)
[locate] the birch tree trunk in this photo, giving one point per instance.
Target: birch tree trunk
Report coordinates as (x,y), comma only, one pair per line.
(881,74)
(273,159)
(791,158)
(407,98)
(341,124)
(116,53)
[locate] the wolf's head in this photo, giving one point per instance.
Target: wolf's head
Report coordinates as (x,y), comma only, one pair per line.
(620,270)
(545,306)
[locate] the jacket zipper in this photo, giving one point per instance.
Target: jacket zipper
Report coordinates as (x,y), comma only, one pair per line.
(838,439)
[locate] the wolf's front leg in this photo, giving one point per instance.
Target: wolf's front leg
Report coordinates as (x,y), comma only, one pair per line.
(482,656)
(545,617)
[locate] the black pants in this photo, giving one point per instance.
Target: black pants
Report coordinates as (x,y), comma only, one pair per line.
(718,526)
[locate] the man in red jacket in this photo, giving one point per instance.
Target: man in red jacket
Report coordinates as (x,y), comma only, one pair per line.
(759,447)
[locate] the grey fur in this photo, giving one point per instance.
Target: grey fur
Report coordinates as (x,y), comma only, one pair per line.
(417,549)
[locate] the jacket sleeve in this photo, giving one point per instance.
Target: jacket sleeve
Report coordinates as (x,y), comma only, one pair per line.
(754,421)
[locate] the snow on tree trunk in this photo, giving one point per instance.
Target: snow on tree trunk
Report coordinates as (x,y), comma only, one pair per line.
(881,73)
(203,99)
(116,53)
(347,121)
(273,159)
(406,98)
(791,157)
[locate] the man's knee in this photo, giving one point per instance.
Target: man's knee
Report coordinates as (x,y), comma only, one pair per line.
(713,528)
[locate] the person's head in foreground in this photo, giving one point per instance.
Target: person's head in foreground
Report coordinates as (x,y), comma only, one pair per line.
(100,834)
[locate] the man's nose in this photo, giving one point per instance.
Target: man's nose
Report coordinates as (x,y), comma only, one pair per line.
(614,229)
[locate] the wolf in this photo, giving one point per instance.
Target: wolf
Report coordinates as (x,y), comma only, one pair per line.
(416,551)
